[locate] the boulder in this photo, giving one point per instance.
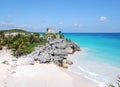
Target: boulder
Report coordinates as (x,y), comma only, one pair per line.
(28,61)
(34,55)
(76,47)
(69,50)
(60,52)
(56,41)
(69,62)
(60,45)
(6,62)
(50,52)
(49,39)
(58,60)
(65,66)
(64,60)
(44,57)
(41,49)
(69,44)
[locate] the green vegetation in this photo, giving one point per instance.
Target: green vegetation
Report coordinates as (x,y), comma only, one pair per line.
(21,43)
(24,42)
(110,85)
(53,35)
(13,30)
(34,38)
(42,41)
(68,40)
(0,47)
(46,35)
(4,62)
(118,83)
(61,34)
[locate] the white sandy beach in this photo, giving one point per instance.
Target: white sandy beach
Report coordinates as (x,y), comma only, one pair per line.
(38,75)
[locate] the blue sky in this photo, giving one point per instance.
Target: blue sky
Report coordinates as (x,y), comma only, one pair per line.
(64,15)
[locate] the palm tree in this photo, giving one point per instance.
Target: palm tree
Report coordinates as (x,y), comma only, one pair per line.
(31,38)
(19,45)
(8,41)
(2,35)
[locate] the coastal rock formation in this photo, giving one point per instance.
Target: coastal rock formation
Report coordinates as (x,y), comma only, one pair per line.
(53,47)
(55,51)
(60,52)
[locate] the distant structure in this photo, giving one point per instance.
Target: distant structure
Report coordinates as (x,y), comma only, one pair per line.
(50,30)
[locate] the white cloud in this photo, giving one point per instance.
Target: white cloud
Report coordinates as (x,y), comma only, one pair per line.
(5,24)
(103,19)
(13,25)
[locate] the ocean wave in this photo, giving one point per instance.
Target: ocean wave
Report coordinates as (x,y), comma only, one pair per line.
(88,72)
(100,83)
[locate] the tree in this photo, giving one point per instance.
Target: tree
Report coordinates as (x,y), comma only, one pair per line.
(2,35)
(19,45)
(34,38)
(31,38)
(22,43)
(60,32)
(36,34)
(0,45)
(8,41)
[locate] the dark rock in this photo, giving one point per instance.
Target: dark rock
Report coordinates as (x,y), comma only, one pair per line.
(76,47)
(60,52)
(6,62)
(69,62)
(44,57)
(58,60)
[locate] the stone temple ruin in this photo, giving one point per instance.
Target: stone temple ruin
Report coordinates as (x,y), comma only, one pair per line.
(50,30)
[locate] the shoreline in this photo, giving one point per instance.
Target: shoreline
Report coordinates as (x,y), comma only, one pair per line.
(78,79)
(31,75)
(97,74)
(43,75)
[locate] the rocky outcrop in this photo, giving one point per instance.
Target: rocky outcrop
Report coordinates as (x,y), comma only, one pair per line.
(44,57)
(60,52)
(54,51)
(69,50)
(28,61)
(55,48)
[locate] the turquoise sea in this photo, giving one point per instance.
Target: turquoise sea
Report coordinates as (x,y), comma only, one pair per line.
(99,58)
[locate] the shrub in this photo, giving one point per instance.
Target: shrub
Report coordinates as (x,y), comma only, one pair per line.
(46,35)
(43,41)
(118,83)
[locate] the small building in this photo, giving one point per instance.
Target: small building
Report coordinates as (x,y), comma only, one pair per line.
(50,30)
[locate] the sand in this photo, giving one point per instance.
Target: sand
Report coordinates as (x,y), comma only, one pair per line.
(38,75)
